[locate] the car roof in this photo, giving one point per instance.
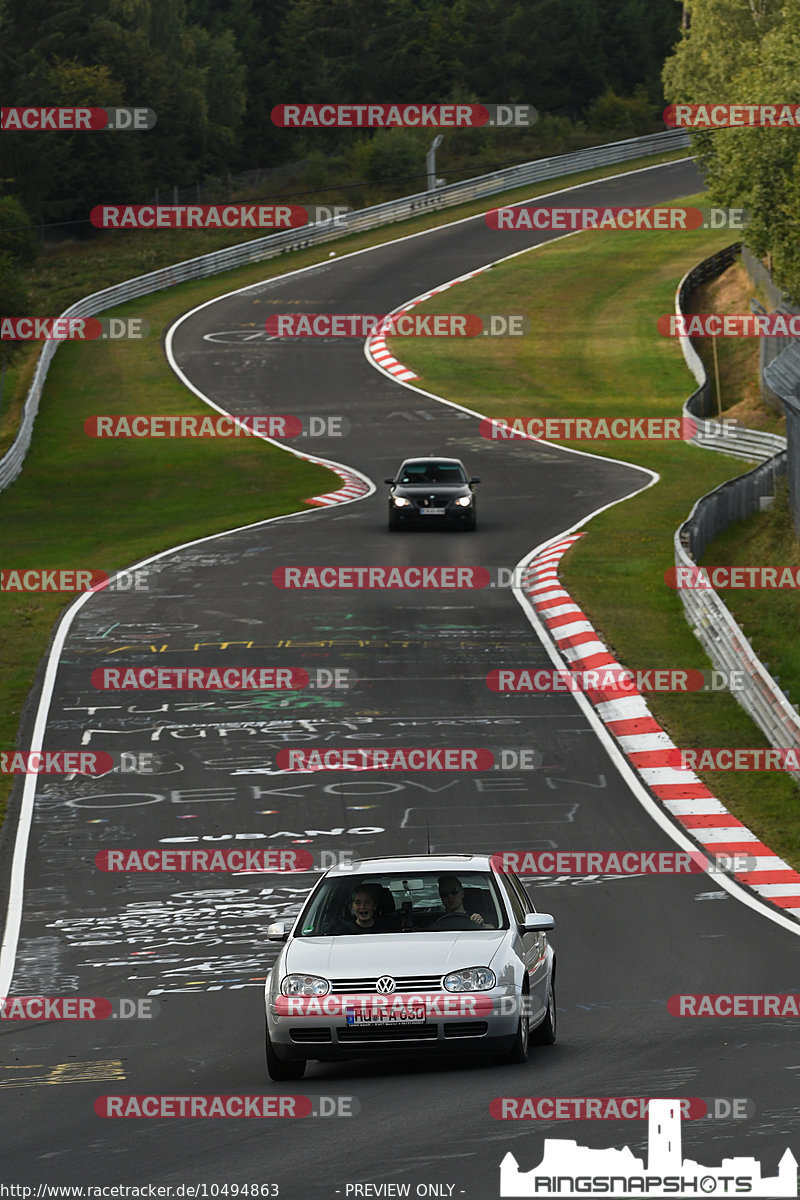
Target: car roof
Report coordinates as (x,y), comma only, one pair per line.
(450,863)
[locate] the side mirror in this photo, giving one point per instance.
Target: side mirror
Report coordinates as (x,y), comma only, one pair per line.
(474,480)
(277,932)
(388,481)
(538,922)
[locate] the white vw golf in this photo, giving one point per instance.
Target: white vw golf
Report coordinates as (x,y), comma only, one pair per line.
(425,954)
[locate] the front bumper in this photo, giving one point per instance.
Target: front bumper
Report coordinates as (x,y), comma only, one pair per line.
(412,515)
(328,1038)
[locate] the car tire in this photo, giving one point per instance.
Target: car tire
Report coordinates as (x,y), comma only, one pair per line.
(519,1051)
(279,1069)
(545,1034)
(471,526)
(394,523)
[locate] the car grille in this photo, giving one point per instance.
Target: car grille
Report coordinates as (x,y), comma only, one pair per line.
(404,983)
(388,1033)
(466,1029)
(433,501)
(310,1035)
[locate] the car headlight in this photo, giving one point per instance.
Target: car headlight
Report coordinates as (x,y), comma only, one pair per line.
(304,985)
(471,979)
(400,501)
(464,501)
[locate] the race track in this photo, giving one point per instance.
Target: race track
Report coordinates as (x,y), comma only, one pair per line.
(197,943)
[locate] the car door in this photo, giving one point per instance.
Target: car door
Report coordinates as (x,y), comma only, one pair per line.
(531,947)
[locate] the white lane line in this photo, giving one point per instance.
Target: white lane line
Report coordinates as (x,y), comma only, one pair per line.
(8,948)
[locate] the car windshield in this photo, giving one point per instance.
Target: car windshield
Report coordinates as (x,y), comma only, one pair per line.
(408,902)
(432,472)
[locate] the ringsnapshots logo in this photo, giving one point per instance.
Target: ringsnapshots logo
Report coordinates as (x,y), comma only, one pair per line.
(75,120)
(569,1170)
(73,329)
(405,116)
(213,425)
(399,324)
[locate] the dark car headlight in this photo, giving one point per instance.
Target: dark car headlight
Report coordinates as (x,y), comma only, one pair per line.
(471,979)
(464,501)
(400,501)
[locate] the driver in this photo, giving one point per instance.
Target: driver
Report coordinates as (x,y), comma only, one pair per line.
(451,894)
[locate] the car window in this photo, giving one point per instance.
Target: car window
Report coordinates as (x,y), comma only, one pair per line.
(517,905)
(407,902)
(432,472)
(516,884)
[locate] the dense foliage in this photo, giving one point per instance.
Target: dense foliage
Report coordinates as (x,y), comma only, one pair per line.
(213,70)
(747,52)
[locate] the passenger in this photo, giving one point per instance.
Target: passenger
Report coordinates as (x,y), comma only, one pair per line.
(364,904)
(451,894)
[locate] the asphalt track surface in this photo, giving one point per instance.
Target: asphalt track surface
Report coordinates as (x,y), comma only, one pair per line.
(197,944)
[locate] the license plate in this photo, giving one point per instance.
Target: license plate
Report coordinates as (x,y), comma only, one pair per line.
(401,1016)
(433,512)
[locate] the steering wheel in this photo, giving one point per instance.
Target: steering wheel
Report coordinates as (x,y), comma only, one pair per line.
(454,921)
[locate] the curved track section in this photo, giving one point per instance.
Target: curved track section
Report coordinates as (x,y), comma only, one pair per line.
(197,945)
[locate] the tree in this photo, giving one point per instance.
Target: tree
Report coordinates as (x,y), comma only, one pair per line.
(750,167)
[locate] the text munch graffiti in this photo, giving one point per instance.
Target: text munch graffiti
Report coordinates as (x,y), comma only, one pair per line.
(311,724)
(215,795)
(337,831)
(484,645)
(210,915)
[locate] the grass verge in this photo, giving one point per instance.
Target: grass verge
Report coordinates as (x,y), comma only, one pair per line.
(593,301)
(77,502)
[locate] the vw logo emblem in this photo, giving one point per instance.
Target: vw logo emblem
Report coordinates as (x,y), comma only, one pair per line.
(385,985)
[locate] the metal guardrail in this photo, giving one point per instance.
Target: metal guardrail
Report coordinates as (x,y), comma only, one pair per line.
(709,618)
(783,377)
(310,235)
(751,444)
(772,349)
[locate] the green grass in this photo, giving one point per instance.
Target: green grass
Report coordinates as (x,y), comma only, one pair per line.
(85,502)
(593,301)
(770,618)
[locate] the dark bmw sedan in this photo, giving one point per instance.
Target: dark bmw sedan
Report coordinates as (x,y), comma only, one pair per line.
(432,491)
